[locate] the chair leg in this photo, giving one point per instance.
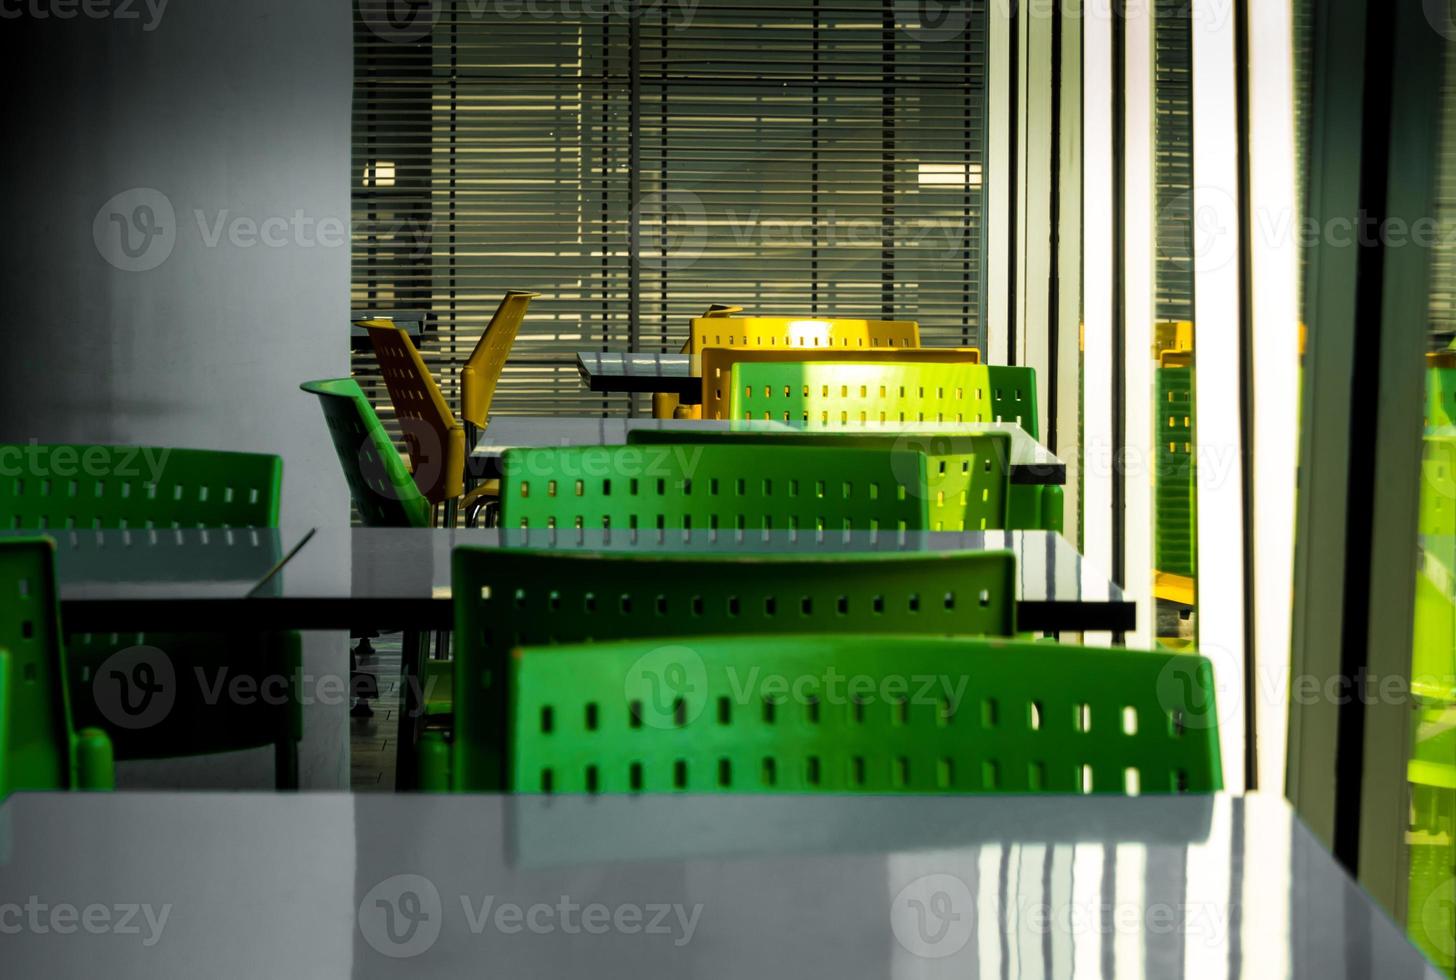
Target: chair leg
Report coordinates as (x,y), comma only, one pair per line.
(363,686)
(411,710)
(285,764)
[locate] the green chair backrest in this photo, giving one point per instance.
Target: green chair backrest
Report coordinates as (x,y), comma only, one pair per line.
(845,394)
(381,485)
(1013,396)
(507,598)
(874,714)
(78,486)
(1441,395)
(967,475)
(39,749)
(1438,485)
(108,487)
(1176,541)
(708,486)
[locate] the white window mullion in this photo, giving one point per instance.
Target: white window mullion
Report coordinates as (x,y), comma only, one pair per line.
(1138,239)
(1274,269)
(1098,88)
(1218,439)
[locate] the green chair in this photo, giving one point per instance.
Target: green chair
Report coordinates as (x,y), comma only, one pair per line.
(1441,388)
(1175,543)
(79,487)
(506,598)
(967,474)
(845,395)
(849,713)
(385,495)
(39,747)
(713,486)
(1013,399)
(381,485)
(1013,396)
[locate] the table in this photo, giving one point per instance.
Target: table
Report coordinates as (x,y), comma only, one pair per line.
(1031,462)
(400,577)
(248,885)
(642,373)
(413,322)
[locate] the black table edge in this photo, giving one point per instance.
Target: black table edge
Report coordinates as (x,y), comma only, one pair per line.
(80,615)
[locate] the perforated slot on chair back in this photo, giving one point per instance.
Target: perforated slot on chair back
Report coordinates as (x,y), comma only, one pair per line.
(76,486)
(1173,482)
(921,714)
(482,372)
(382,488)
(717,365)
(802,333)
(707,487)
(506,598)
(36,719)
(1013,396)
(967,474)
(823,394)
(434,439)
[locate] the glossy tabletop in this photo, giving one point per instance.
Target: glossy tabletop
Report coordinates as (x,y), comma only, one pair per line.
(398,578)
(244,885)
(1030,461)
(411,321)
(642,373)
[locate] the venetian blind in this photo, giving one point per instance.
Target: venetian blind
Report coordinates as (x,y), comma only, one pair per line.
(634,162)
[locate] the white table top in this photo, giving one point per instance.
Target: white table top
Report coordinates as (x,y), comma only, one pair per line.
(253,885)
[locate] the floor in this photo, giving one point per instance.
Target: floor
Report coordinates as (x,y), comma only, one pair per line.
(372,739)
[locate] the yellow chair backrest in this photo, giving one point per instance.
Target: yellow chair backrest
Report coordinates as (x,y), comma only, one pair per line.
(434,439)
(1172,335)
(482,371)
(800,333)
(717,365)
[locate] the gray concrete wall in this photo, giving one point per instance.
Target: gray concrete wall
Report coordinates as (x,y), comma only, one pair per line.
(215,136)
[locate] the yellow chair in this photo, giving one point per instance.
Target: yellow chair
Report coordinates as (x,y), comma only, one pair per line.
(437,443)
(800,332)
(666,404)
(717,365)
(482,372)
(718,328)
